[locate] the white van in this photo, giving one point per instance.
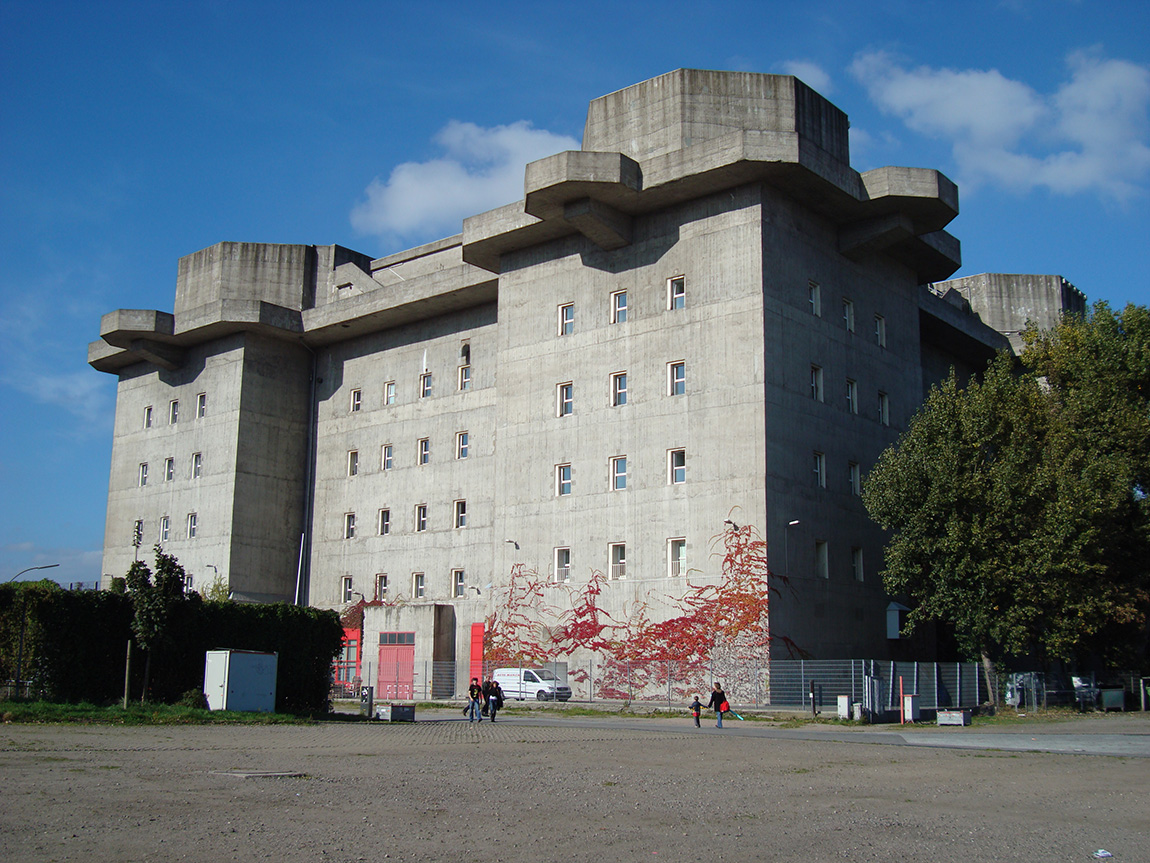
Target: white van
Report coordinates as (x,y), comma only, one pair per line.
(539,684)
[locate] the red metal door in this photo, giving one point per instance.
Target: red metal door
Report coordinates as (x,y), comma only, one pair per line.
(396,672)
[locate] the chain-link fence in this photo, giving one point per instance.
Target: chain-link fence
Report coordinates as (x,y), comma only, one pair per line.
(1036,691)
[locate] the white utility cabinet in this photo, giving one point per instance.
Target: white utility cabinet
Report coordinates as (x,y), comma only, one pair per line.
(240,680)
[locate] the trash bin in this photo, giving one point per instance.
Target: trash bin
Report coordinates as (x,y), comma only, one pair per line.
(1113,699)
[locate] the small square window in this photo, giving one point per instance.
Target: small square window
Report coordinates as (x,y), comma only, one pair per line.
(815,299)
(817,383)
(421,517)
(169,469)
(462,444)
(201,406)
(386,461)
(676,557)
(142,475)
(424,450)
(820,469)
(562,479)
(618,389)
(353,462)
(619,473)
(857,563)
(849,315)
(461,513)
(380,585)
(349,525)
(356,400)
(148,417)
(418,585)
(676,292)
(389,393)
(458,583)
(562,564)
(854,477)
(165,528)
(384,522)
(618,560)
(677,466)
(464,378)
(880,331)
(197,465)
(193,525)
(619,307)
(346,588)
(852,396)
(173,411)
(884,409)
(566,319)
(676,378)
(565,399)
(822,567)
(425,385)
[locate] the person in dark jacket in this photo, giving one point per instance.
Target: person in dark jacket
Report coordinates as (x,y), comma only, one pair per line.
(474,693)
(494,699)
(718,699)
(696,708)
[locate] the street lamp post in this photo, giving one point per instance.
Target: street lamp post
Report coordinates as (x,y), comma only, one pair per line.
(23,619)
(786,550)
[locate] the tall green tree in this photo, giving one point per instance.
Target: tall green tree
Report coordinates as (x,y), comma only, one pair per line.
(153,600)
(1017,504)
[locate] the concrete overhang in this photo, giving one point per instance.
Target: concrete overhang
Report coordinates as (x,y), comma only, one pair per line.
(957,329)
(448,290)
(145,335)
(887,210)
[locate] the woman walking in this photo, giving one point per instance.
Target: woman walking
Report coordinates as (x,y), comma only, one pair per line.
(719,702)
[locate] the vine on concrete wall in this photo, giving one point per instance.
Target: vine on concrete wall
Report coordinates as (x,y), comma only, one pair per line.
(722,630)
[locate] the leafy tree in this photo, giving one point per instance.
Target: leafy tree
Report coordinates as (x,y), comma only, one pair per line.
(1017,504)
(153,600)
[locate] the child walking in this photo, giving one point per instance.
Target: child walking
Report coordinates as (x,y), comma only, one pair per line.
(696,710)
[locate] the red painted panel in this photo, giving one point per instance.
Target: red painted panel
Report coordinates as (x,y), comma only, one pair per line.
(476,651)
(396,672)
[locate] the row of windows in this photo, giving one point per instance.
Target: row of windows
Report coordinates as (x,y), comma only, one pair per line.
(164,534)
(676,565)
(196,469)
(419,520)
(851,390)
(422,453)
(676,299)
(174,411)
(853,475)
(381,585)
(815,301)
(565,392)
(463,383)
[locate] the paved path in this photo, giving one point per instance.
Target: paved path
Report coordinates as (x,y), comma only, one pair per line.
(1126,736)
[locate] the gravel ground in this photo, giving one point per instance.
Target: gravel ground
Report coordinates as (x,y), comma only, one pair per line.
(578,791)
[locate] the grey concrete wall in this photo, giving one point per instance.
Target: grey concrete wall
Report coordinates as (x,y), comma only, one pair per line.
(1007,302)
(279,274)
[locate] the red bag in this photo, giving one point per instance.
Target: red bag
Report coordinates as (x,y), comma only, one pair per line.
(724,707)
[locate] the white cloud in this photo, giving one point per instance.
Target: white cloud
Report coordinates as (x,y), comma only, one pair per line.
(811,74)
(482,168)
(1089,136)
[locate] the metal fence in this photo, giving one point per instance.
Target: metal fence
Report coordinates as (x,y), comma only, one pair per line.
(807,685)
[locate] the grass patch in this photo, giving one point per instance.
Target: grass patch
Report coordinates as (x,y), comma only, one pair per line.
(45,713)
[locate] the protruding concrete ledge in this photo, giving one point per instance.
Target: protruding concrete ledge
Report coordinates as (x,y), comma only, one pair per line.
(552,183)
(928,196)
(600,223)
(120,327)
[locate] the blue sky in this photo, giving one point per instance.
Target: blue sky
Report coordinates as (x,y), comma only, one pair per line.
(134,133)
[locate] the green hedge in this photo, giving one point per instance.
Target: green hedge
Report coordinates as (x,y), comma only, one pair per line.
(75,644)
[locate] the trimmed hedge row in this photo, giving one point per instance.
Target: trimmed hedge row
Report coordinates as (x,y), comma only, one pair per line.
(75,645)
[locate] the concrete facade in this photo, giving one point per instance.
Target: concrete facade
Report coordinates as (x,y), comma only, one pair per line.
(707,290)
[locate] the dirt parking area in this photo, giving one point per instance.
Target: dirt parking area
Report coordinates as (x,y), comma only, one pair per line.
(522,790)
